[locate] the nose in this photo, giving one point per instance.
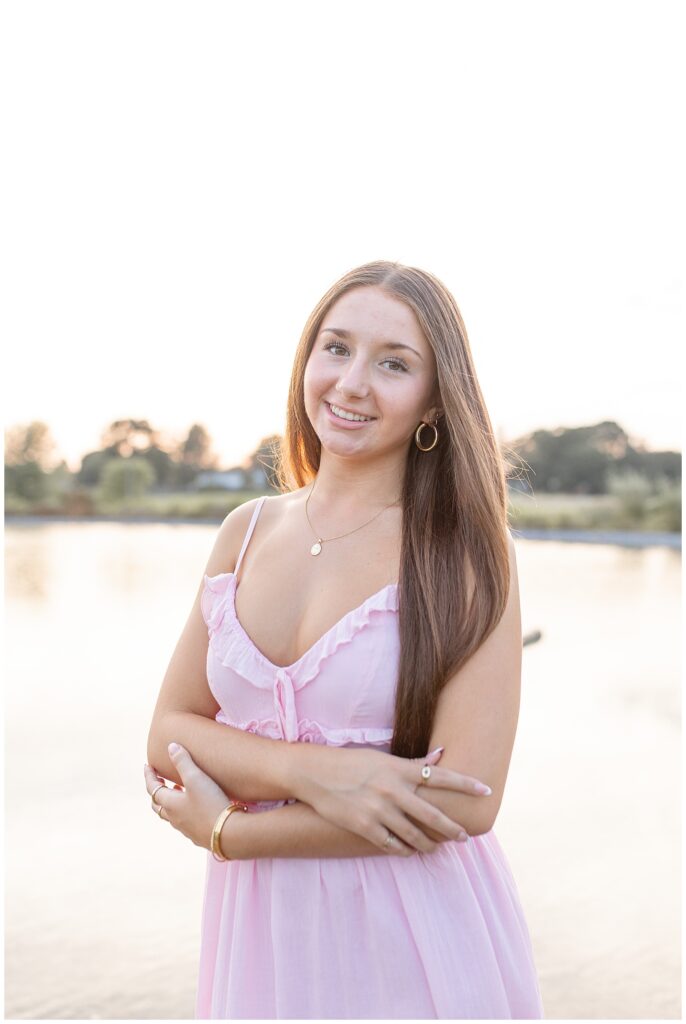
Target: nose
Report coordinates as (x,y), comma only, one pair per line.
(354,380)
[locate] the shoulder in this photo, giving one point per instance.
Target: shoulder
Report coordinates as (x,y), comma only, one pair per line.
(234,527)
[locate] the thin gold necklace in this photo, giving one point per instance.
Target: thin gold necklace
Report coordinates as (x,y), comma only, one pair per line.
(317,546)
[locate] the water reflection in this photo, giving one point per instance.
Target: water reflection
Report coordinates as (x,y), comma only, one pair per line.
(109,902)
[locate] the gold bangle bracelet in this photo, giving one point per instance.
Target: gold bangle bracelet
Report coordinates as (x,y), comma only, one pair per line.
(216,831)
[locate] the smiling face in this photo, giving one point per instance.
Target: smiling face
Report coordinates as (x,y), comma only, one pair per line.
(369,358)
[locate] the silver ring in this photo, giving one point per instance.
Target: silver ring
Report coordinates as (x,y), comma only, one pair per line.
(426,772)
(162,785)
(389,839)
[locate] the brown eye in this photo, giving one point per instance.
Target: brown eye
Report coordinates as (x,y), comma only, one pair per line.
(399,362)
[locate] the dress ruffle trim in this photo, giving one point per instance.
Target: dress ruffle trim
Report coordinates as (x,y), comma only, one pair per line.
(213,599)
(234,648)
(310,731)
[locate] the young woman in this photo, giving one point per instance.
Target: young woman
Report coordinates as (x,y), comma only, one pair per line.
(376,618)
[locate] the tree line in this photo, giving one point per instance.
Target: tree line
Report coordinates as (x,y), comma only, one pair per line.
(135,459)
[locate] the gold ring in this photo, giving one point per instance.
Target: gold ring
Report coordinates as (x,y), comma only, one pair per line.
(162,785)
(426,772)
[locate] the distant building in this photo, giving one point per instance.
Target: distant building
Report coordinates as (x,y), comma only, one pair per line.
(235,479)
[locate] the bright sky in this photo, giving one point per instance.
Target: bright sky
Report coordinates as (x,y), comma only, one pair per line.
(184,181)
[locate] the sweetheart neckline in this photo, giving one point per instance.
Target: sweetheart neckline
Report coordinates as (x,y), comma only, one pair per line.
(295,664)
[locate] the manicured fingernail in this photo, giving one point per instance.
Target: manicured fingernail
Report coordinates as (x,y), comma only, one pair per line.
(438,750)
(480,788)
(173,748)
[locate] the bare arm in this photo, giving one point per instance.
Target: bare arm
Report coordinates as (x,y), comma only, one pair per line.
(296,830)
(348,829)
(477,712)
(245,765)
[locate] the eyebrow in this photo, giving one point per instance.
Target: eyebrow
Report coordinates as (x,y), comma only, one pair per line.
(386,344)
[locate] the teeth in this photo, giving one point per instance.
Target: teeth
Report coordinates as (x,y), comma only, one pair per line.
(347,415)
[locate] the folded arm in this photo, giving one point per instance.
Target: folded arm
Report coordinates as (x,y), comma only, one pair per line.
(296,830)
(246,766)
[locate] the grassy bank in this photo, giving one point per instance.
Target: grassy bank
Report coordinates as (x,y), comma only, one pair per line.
(541,511)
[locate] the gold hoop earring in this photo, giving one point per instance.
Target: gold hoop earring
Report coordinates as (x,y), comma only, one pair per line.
(418,432)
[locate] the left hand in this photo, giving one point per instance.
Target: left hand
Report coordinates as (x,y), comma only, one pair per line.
(194,808)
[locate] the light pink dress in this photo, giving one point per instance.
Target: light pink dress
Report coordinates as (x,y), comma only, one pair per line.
(436,935)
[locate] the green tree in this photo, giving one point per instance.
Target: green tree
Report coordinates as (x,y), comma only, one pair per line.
(124,437)
(194,454)
(123,479)
(579,459)
(92,467)
(29,460)
(654,504)
(196,449)
(664,505)
(633,490)
(32,443)
(27,480)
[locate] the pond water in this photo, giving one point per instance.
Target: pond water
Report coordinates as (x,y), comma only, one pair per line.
(103,904)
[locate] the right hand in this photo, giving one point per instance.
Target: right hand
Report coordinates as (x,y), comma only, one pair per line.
(371,792)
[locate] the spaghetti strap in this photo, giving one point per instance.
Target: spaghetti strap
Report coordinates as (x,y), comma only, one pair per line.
(248,532)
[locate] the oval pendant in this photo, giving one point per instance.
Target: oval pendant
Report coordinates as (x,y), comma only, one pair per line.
(316,548)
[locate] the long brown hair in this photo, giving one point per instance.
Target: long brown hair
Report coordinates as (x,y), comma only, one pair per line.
(454,565)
